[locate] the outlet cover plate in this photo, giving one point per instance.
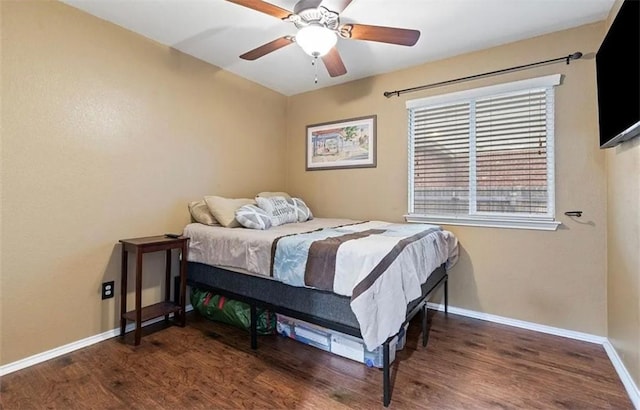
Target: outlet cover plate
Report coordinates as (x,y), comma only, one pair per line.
(108,289)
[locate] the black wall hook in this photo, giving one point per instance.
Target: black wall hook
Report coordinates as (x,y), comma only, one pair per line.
(574,213)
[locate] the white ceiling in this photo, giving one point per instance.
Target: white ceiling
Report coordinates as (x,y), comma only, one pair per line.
(217,32)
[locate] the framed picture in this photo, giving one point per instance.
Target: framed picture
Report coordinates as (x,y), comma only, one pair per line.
(342,144)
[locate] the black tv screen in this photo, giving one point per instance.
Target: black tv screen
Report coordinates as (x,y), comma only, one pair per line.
(618,76)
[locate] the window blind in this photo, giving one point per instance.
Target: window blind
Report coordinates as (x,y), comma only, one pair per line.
(511,153)
(487,155)
(441,159)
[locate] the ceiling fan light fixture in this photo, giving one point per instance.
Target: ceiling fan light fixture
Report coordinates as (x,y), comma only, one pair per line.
(316,40)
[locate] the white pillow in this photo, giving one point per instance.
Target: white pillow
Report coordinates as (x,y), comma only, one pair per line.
(200,213)
(302,210)
(268,194)
(250,216)
(223,209)
(278,209)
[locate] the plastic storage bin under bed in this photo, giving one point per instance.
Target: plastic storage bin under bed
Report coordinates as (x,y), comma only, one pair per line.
(336,342)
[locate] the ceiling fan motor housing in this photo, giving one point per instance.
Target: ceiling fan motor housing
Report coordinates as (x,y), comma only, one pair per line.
(307,12)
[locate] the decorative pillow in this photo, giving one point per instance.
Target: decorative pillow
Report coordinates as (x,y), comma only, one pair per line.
(224,209)
(200,213)
(278,209)
(302,210)
(250,216)
(272,194)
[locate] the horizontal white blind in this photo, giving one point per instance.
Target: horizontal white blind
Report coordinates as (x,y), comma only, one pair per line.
(508,173)
(511,153)
(441,159)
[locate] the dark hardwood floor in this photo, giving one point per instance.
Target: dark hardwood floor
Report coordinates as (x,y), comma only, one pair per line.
(468,364)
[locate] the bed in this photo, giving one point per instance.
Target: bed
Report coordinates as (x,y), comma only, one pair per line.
(362,278)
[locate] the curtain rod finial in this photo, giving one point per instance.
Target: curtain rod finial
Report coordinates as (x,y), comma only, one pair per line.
(575,56)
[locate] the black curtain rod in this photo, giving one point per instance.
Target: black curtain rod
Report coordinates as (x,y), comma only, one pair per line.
(575,56)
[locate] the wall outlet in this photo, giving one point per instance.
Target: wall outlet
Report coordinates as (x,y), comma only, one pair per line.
(108,289)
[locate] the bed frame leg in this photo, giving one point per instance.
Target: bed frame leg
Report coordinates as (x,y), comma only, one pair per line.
(424,324)
(446,295)
(254,327)
(386,387)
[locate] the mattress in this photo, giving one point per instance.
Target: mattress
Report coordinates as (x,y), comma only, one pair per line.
(380,265)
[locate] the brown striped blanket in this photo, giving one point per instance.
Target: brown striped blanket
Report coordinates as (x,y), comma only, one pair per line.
(380,265)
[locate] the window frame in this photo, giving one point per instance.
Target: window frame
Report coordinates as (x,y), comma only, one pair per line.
(495,220)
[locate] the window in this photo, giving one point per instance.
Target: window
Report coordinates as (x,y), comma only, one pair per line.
(484,157)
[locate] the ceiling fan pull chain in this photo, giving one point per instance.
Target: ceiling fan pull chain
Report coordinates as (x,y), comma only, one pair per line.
(315,66)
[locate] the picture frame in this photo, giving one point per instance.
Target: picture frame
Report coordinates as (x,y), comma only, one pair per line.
(343,144)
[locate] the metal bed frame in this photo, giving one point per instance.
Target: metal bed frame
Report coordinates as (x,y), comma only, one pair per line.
(319,307)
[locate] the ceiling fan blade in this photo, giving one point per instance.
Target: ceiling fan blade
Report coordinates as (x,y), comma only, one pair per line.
(267,48)
(337,6)
(391,35)
(264,7)
(334,64)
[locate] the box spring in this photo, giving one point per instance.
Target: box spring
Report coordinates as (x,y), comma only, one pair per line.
(320,307)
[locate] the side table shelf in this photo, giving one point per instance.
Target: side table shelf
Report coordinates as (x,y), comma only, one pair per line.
(153,311)
(140,314)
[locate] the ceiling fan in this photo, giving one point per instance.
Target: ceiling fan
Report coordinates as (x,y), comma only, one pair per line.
(318,23)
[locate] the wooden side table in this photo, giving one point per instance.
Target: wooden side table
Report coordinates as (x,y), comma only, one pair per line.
(140,314)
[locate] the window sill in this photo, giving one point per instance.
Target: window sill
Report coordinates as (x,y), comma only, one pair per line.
(487,222)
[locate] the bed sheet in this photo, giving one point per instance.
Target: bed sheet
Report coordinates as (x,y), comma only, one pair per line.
(242,249)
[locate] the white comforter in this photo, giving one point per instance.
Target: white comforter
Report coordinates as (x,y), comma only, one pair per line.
(378,301)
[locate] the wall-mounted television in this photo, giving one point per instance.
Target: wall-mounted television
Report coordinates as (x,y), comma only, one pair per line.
(618,76)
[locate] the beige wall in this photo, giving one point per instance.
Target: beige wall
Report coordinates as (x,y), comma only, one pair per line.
(553,278)
(623,245)
(623,236)
(1,189)
(107,135)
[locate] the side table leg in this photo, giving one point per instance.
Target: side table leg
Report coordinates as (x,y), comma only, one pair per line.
(123,291)
(138,297)
(183,283)
(167,280)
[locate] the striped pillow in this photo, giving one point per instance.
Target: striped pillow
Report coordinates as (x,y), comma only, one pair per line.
(302,210)
(279,209)
(250,216)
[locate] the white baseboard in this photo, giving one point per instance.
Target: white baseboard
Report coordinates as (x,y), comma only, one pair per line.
(623,373)
(79,344)
(585,337)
